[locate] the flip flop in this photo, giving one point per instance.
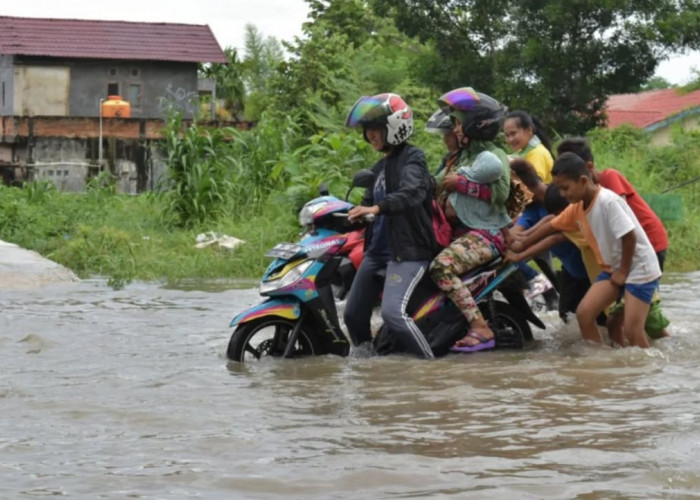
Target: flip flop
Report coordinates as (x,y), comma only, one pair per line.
(484,343)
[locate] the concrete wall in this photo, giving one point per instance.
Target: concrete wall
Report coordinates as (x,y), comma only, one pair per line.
(157,86)
(6,85)
(70,163)
(161,85)
(41,90)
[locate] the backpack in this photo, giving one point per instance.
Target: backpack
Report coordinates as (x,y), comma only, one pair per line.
(441,226)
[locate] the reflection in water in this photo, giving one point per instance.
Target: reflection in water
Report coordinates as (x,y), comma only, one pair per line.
(127,393)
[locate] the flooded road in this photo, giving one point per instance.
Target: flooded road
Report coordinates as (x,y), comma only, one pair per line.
(127,394)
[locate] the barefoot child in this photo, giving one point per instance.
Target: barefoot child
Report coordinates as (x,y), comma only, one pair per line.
(628,260)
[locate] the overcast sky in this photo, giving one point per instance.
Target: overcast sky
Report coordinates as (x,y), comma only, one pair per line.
(227,18)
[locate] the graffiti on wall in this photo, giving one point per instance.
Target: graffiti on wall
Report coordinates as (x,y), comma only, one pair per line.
(178,100)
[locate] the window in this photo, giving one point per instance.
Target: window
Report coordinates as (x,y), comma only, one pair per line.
(134,96)
(112,89)
(112,71)
(134,72)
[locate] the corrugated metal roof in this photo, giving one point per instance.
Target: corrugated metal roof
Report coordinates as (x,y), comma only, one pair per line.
(647,108)
(74,38)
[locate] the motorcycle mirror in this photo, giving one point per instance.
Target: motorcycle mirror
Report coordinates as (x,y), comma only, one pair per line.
(363,178)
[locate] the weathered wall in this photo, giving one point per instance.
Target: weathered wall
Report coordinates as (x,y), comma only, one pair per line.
(161,84)
(70,163)
(41,90)
(6,85)
(151,87)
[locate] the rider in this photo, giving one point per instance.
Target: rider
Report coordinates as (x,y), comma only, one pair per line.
(477,118)
(401,240)
(440,123)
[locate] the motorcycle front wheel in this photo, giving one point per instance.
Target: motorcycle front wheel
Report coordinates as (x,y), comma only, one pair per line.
(268,337)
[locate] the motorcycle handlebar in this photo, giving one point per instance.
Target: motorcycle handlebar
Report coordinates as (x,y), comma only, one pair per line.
(365,219)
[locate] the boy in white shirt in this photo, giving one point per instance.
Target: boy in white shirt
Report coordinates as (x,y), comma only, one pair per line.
(619,243)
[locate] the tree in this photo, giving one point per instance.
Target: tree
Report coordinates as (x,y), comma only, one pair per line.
(229,81)
(559,59)
(656,83)
(262,58)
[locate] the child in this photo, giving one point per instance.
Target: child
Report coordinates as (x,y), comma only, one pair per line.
(573,278)
(617,183)
(613,180)
(621,247)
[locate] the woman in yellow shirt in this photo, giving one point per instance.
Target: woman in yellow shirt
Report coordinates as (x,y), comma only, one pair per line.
(528,141)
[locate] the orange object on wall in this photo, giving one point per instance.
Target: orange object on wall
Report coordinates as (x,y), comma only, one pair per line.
(115,107)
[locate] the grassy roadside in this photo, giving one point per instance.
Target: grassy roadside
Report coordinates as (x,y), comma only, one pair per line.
(128,237)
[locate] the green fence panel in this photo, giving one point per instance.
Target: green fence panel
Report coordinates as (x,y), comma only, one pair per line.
(667,206)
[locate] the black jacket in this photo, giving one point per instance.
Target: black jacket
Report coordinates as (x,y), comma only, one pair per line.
(407,204)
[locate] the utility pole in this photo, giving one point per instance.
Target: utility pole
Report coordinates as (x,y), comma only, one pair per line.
(99,145)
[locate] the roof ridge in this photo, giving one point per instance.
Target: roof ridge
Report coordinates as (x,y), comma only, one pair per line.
(106,21)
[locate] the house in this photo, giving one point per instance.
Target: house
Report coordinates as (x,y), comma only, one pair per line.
(64,67)
(56,77)
(655,111)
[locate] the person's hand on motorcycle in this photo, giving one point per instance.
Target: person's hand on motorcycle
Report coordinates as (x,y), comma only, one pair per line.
(511,256)
(516,246)
(356,214)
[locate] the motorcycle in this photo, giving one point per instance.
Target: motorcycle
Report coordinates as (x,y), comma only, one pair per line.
(299,316)
(301,285)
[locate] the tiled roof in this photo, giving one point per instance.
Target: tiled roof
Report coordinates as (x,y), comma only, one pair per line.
(644,109)
(73,38)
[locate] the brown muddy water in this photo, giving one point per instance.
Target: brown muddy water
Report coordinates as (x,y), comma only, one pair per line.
(127,394)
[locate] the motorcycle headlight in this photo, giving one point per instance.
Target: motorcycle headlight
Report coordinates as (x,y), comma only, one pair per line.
(291,275)
(306,215)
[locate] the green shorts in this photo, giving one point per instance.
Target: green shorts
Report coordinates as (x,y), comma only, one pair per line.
(656,321)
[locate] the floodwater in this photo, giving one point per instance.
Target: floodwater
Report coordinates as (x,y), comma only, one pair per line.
(127,394)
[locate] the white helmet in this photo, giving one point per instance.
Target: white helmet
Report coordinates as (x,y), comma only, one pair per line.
(386,111)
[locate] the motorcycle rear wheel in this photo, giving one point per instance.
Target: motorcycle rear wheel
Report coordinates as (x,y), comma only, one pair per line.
(268,337)
(507,318)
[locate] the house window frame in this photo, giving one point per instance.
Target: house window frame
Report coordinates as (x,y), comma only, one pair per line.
(137,104)
(109,84)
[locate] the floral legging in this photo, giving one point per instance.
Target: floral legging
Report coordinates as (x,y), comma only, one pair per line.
(464,254)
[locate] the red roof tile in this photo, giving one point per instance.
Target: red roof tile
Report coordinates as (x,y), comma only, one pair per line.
(647,108)
(109,40)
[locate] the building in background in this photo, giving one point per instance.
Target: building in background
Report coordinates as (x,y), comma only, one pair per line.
(654,111)
(57,121)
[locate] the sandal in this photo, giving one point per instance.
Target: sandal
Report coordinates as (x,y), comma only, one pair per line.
(484,343)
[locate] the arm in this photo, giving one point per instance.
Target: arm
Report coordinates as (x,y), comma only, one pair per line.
(459,183)
(536,248)
(537,233)
(629,242)
(520,235)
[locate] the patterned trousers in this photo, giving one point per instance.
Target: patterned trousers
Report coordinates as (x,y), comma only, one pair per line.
(464,254)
